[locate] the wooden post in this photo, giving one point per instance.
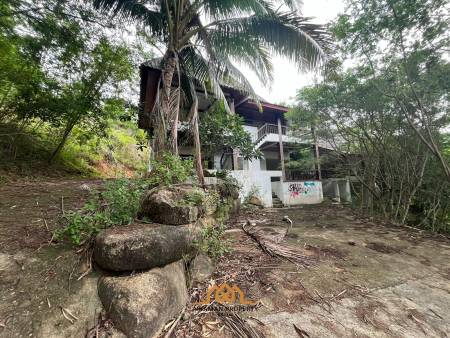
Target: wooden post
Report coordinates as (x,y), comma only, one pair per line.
(316,147)
(235,152)
(280,138)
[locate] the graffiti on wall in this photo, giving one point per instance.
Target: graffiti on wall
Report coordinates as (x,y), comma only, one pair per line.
(302,189)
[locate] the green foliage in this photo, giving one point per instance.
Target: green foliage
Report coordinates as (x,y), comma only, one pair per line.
(171,169)
(228,186)
(64,74)
(212,242)
(220,131)
(253,192)
(385,116)
(194,197)
(117,204)
(117,152)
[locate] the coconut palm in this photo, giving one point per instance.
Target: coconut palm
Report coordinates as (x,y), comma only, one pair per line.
(202,39)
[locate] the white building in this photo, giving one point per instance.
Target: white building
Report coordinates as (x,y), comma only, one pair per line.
(267,176)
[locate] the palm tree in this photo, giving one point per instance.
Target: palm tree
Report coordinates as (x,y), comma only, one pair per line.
(202,39)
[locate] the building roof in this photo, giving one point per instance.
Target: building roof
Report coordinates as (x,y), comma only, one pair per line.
(150,72)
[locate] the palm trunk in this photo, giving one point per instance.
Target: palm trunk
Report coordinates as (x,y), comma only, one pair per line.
(162,118)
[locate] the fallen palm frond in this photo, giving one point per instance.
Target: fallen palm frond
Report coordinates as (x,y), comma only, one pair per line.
(274,248)
(239,326)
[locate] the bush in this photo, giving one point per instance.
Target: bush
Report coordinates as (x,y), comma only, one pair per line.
(117,205)
(212,242)
(171,169)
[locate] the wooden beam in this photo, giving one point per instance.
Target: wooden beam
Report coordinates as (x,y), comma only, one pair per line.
(280,138)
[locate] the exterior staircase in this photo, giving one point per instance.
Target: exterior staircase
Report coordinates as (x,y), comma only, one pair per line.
(276,202)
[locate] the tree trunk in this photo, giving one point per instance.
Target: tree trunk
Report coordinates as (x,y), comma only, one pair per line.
(162,117)
(197,144)
(64,138)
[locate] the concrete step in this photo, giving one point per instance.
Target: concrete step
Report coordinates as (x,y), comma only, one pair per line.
(276,202)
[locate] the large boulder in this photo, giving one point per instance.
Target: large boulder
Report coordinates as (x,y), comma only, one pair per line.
(141,304)
(143,246)
(170,205)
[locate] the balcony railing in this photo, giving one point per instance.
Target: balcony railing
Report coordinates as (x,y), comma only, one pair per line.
(269,129)
(301,175)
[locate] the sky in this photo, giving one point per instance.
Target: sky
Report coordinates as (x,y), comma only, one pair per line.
(287,78)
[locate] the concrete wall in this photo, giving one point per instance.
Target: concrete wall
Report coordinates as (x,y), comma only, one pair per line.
(249,180)
(300,192)
(337,189)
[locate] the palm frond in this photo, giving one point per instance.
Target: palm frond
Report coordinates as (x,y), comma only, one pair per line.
(249,52)
(284,34)
(148,14)
(220,9)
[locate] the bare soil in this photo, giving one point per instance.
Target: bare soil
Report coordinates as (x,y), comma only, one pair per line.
(38,277)
(369,279)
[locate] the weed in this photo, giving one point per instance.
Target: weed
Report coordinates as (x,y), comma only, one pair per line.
(116,205)
(212,242)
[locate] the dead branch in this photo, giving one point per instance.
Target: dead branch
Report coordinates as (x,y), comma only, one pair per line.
(275,249)
(238,326)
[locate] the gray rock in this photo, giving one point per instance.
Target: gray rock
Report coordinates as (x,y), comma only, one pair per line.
(83,302)
(143,246)
(254,200)
(140,305)
(202,268)
(166,205)
(9,269)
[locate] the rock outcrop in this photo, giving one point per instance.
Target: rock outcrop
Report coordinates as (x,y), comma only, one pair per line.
(169,205)
(143,246)
(141,304)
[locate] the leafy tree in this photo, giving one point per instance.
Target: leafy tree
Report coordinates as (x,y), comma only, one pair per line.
(200,39)
(220,131)
(386,116)
(61,66)
(404,44)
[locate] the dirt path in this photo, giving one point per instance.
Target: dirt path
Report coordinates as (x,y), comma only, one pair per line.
(369,279)
(39,278)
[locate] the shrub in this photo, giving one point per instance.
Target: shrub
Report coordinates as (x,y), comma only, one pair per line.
(212,242)
(194,197)
(171,169)
(117,205)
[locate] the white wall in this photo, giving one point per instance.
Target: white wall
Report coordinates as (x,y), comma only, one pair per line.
(248,180)
(301,192)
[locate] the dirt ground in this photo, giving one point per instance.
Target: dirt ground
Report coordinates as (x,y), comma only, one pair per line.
(367,279)
(38,277)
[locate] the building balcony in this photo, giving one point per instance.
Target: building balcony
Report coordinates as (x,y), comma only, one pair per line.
(269,133)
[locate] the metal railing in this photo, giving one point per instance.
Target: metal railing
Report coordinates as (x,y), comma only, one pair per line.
(269,129)
(301,175)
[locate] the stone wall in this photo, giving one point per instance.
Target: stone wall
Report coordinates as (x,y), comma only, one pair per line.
(145,283)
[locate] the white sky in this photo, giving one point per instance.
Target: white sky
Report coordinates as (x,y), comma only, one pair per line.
(287,79)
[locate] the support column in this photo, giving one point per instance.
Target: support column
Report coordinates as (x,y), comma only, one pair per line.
(235,152)
(280,138)
(316,148)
